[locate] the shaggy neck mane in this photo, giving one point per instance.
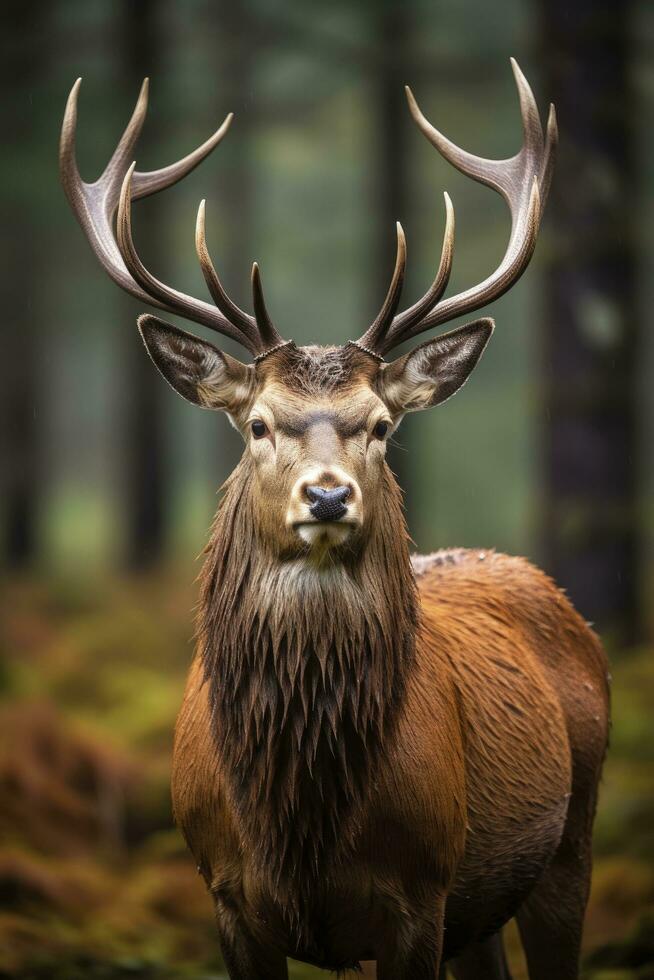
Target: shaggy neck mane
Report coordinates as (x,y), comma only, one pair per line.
(307,667)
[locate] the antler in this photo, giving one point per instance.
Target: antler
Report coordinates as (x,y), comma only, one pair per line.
(523,181)
(95,207)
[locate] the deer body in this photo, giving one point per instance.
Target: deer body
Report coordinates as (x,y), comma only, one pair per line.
(377,758)
(504,695)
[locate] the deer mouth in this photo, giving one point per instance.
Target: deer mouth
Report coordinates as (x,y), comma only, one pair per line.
(324,533)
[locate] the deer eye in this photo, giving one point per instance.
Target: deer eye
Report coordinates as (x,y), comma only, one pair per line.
(259,429)
(380,429)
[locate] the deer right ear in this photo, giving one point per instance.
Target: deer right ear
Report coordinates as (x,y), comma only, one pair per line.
(197,370)
(432,372)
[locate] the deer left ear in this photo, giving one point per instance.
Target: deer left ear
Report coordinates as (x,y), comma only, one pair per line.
(434,371)
(197,370)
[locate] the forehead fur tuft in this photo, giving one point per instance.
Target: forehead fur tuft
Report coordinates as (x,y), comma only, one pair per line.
(316,370)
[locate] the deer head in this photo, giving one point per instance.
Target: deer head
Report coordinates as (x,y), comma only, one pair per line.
(315,420)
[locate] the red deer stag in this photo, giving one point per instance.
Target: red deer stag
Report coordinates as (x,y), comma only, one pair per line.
(379,757)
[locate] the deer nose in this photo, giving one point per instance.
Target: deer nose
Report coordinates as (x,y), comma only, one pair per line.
(327,505)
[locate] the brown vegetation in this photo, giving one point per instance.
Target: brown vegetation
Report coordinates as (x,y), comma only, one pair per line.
(142,910)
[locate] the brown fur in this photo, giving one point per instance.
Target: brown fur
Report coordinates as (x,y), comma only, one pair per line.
(381,758)
(466,785)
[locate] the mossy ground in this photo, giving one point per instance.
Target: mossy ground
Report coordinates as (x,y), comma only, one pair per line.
(95,882)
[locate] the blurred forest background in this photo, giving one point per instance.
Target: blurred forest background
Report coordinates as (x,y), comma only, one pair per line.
(109,481)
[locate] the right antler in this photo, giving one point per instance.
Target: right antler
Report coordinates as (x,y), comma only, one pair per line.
(95,206)
(523,181)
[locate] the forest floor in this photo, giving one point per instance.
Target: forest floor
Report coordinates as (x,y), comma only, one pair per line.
(95,882)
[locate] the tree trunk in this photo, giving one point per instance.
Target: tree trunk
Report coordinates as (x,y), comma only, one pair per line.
(236,43)
(23,70)
(145,474)
(591,332)
(390,167)
(234,34)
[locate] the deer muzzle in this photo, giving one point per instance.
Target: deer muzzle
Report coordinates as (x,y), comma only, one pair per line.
(325,506)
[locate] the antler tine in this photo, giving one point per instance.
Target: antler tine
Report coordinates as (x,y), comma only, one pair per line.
(384,318)
(114,172)
(416,312)
(95,205)
(86,200)
(214,285)
(149,182)
(68,171)
(532,131)
(145,183)
(166,295)
(523,180)
(266,327)
(551,141)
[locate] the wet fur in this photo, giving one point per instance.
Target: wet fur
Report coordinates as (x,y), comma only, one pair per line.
(352,774)
(296,697)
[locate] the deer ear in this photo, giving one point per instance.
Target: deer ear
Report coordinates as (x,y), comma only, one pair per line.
(197,370)
(435,370)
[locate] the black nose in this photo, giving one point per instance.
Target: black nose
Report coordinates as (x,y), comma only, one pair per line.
(327,505)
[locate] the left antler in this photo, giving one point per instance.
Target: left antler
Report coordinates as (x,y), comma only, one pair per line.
(523,181)
(96,205)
